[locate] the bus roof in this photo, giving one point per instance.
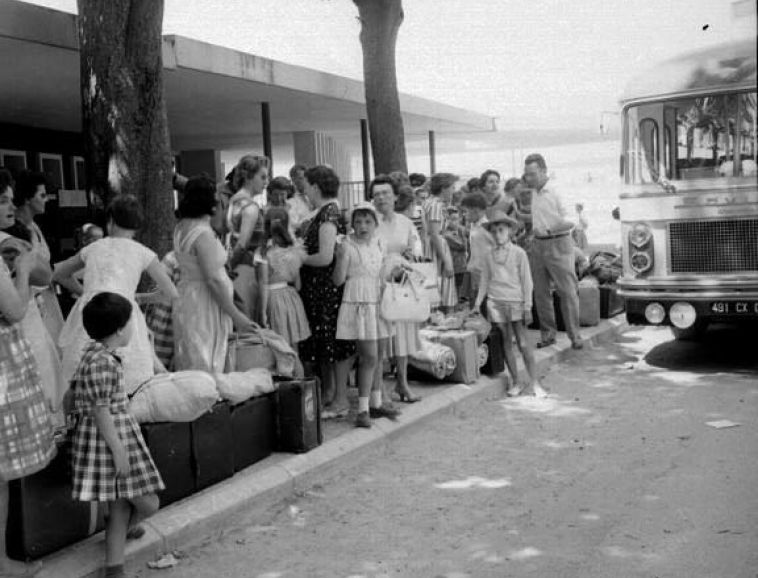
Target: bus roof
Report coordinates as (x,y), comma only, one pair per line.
(729,66)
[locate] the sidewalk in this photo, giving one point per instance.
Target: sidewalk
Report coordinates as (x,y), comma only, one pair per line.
(280,476)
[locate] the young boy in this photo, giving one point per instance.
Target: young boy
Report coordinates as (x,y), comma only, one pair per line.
(457,239)
(506,281)
(474,206)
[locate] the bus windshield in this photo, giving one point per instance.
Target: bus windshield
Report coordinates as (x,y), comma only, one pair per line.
(697,137)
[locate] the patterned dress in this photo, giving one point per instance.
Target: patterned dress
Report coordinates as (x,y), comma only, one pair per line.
(359,316)
(321,297)
(434,212)
(99,382)
(26,432)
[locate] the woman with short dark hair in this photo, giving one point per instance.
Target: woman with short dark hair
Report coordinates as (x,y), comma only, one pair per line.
(321,297)
(205,312)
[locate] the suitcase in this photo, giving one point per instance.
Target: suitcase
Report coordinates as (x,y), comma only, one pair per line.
(212,446)
(610,302)
(465,346)
(298,412)
(253,430)
(42,516)
(496,360)
(589,302)
(170,445)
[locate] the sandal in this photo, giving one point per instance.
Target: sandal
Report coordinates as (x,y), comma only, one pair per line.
(335,413)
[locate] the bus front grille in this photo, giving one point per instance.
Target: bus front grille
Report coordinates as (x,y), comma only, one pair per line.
(729,246)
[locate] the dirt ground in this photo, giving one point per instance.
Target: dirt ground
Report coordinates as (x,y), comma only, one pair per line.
(616,474)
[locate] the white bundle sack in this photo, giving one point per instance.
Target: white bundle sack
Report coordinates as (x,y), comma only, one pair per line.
(239,386)
(180,396)
(434,358)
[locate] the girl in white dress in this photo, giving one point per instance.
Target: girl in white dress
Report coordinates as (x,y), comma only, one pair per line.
(360,260)
(114,264)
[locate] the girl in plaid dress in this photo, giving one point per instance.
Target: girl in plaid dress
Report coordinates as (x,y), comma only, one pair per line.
(26,433)
(111,461)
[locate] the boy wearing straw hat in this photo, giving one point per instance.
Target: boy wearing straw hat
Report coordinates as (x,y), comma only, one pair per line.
(506,281)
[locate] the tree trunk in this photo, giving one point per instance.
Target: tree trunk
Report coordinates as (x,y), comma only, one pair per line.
(123,110)
(380,22)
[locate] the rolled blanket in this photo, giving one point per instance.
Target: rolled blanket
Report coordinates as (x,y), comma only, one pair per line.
(434,358)
(482,355)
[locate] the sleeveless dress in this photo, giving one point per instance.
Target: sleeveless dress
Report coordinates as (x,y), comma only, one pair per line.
(26,432)
(400,235)
(245,284)
(434,212)
(285,312)
(201,328)
(321,297)
(99,381)
(359,316)
(112,264)
(40,340)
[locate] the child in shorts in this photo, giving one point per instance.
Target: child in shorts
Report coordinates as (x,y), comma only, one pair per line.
(506,281)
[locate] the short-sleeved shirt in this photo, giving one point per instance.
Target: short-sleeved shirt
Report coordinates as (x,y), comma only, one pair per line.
(98,381)
(480,242)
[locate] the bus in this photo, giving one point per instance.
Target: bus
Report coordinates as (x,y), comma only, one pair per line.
(689,198)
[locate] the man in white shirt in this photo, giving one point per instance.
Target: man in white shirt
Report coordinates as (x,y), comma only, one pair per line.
(552,255)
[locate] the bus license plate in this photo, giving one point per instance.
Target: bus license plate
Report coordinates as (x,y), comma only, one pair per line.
(734,307)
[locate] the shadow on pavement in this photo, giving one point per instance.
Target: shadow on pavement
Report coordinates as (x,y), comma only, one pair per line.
(723,348)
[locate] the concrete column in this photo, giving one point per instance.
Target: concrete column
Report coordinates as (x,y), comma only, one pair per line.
(266,124)
(201,161)
(432,153)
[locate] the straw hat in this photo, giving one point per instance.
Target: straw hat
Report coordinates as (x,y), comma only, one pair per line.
(500,217)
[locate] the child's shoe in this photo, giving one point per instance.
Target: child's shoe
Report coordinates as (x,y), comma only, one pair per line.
(363,420)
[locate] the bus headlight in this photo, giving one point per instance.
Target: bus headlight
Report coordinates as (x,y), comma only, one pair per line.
(640,262)
(640,235)
(655,313)
(640,248)
(682,315)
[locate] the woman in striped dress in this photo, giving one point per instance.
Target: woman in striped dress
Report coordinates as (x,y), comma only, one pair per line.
(441,189)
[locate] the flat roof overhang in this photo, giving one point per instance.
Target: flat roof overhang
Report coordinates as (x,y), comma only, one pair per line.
(212,93)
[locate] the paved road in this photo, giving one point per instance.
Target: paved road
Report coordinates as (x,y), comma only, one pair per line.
(615,475)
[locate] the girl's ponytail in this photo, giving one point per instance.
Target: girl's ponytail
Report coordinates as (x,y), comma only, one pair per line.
(277,229)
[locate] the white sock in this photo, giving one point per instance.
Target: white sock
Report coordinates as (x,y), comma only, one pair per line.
(362,404)
(376,398)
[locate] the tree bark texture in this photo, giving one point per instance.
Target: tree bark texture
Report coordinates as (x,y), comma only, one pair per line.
(123,109)
(380,22)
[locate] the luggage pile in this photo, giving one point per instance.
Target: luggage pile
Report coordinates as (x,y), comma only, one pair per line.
(200,429)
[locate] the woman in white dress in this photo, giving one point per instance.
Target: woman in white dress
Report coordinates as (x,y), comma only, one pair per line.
(402,243)
(114,264)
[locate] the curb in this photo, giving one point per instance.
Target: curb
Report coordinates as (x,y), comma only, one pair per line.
(266,484)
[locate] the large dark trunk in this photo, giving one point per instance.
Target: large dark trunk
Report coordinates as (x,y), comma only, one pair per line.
(380,22)
(123,110)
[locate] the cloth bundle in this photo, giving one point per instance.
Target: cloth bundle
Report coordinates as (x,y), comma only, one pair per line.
(263,348)
(181,396)
(482,355)
(240,386)
(434,358)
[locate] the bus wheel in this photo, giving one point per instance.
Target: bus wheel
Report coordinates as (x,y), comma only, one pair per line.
(695,332)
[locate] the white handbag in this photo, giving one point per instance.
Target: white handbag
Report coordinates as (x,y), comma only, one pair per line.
(403,302)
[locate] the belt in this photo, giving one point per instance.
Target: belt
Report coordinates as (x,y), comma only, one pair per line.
(273,286)
(548,237)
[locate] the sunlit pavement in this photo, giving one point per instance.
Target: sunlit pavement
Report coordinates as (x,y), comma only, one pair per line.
(616,474)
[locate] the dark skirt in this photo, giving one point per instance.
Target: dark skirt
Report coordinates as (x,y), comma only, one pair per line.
(322,300)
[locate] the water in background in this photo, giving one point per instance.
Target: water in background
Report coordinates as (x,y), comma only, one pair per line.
(585,173)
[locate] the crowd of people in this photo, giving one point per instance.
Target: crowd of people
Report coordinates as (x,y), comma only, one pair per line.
(249,253)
